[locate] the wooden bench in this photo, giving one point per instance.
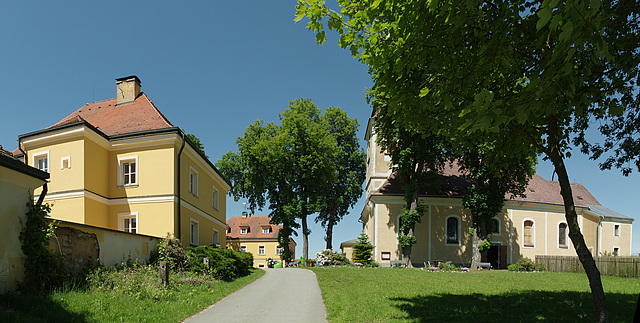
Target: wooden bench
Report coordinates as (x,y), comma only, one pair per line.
(395,263)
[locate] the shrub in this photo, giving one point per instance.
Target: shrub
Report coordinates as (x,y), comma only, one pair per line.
(170,250)
(447,267)
(363,250)
(225,264)
(525,264)
(328,257)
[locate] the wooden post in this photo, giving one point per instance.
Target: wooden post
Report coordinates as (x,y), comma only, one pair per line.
(164,273)
(206,262)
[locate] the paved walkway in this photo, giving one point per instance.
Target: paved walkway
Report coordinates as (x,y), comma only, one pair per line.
(281,295)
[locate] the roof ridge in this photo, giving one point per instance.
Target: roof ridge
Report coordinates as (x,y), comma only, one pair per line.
(156,109)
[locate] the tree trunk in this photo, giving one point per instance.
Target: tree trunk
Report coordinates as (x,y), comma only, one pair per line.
(305,239)
(329,237)
(478,238)
(589,265)
(406,251)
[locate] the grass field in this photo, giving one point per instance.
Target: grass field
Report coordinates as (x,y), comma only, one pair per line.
(124,303)
(396,294)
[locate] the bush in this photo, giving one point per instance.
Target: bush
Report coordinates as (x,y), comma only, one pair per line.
(328,257)
(447,267)
(225,264)
(525,264)
(170,250)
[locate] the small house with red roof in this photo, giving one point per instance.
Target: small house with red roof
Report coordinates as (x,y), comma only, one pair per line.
(257,235)
(527,227)
(121,164)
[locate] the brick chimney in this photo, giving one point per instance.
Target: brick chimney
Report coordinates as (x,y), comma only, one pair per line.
(244,215)
(128,89)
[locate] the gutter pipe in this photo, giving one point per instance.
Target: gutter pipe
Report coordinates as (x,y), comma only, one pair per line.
(179,235)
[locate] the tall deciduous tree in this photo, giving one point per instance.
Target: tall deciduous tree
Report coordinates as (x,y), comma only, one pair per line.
(349,167)
(543,70)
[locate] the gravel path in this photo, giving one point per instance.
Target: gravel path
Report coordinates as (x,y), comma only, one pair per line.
(280,295)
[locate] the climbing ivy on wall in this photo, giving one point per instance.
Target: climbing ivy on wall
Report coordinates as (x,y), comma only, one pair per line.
(43,269)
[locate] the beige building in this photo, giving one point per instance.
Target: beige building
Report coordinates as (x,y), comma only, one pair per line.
(527,227)
(17,185)
(347,248)
(121,164)
(257,235)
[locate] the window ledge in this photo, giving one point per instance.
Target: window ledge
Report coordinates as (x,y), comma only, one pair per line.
(563,246)
(128,186)
(529,245)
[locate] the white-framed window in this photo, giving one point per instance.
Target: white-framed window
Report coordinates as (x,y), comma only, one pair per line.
(216,237)
(529,233)
(193,181)
(128,171)
(452,225)
(562,235)
(279,250)
(194,229)
(616,230)
(41,161)
(243,248)
(265,230)
(128,222)
(244,230)
(493,226)
(65,162)
(261,250)
(215,197)
(616,251)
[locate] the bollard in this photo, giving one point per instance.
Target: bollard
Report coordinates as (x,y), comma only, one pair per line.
(164,273)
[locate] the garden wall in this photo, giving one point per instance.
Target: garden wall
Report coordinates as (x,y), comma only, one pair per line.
(81,244)
(609,266)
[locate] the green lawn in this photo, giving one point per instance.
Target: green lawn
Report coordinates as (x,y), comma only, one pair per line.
(122,304)
(387,294)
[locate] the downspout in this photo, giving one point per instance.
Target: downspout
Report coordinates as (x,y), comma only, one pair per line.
(179,197)
(598,233)
(24,153)
(45,189)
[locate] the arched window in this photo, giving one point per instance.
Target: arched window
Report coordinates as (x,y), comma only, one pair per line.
(453,234)
(562,235)
(528,233)
(493,226)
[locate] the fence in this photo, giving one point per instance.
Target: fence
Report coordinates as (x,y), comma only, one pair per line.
(609,266)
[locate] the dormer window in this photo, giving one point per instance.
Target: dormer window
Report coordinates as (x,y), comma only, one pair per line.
(265,230)
(244,230)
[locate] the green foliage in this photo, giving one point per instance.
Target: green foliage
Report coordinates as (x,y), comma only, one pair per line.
(331,258)
(485,245)
(448,267)
(525,264)
(224,264)
(363,250)
(43,269)
(170,250)
(291,166)
(196,142)
(408,219)
(140,282)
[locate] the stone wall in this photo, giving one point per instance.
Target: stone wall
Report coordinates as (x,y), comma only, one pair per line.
(80,249)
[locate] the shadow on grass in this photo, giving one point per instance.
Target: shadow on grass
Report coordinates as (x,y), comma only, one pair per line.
(514,307)
(35,308)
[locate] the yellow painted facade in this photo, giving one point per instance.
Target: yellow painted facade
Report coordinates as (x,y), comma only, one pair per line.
(604,233)
(142,177)
(16,189)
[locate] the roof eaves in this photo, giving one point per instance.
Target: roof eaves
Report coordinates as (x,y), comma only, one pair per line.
(23,168)
(64,126)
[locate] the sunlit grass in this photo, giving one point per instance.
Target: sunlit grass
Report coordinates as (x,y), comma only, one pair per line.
(185,297)
(388,294)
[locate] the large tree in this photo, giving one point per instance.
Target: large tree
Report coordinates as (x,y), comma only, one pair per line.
(543,70)
(349,167)
(287,166)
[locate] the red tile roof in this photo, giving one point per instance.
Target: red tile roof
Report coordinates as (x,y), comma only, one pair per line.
(139,115)
(255,224)
(539,190)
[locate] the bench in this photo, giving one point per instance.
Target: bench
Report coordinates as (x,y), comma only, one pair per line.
(395,263)
(484,265)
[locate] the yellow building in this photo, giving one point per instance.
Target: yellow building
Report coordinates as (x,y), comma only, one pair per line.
(121,164)
(527,227)
(257,235)
(17,184)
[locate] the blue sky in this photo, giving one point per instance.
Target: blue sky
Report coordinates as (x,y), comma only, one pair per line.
(211,67)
